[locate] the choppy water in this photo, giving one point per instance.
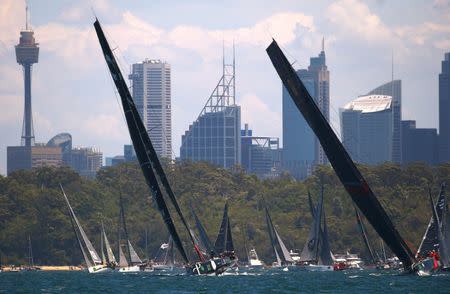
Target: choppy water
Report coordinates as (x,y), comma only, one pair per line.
(244,281)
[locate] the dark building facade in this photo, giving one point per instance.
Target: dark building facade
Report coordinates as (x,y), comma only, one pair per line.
(393,89)
(260,155)
(301,148)
(444,110)
(419,145)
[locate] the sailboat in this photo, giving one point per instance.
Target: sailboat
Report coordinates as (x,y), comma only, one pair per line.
(109,259)
(93,262)
(130,262)
(316,254)
(345,169)
(434,249)
(224,247)
(283,259)
(30,266)
(152,169)
(205,244)
(165,256)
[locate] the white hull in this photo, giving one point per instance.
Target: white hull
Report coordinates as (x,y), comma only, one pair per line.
(255,263)
(162,267)
(318,268)
(99,269)
(130,269)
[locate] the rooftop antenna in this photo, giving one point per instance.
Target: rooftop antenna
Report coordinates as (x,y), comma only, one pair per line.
(234,72)
(26,17)
(392,65)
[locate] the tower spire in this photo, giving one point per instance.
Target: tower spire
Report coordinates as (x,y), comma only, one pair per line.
(392,66)
(323,44)
(26,17)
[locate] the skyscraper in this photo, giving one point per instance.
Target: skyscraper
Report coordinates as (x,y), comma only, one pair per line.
(367,130)
(151,87)
(318,67)
(215,136)
(418,144)
(393,89)
(301,149)
(444,110)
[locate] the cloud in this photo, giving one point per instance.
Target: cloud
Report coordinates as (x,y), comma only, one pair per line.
(105,125)
(261,119)
(355,18)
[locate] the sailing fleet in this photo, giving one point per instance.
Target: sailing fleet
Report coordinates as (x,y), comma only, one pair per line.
(219,257)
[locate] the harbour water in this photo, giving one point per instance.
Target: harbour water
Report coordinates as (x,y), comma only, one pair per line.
(264,281)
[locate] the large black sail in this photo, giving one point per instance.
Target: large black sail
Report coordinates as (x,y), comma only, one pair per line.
(310,252)
(344,167)
(141,142)
(362,230)
(430,240)
(204,239)
(220,244)
(325,257)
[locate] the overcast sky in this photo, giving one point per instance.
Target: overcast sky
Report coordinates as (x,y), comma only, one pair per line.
(72,90)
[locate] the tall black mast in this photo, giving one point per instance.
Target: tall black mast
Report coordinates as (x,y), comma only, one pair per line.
(344,167)
(143,146)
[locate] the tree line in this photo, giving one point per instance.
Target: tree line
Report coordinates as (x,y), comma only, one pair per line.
(31,204)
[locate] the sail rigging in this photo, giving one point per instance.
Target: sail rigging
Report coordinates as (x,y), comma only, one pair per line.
(84,239)
(277,242)
(145,152)
(204,239)
(362,230)
(310,252)
(348,173)
(109,253)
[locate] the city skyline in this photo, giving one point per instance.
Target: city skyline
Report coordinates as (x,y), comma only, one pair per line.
(193,47)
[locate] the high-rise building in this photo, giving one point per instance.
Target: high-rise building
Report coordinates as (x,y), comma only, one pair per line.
(28,157)
(260,155)
(151,87)
(86,161)
(393,89)
(301,148)
(64,141)
(444,110)
(366,128)
(215,136)
(418,144)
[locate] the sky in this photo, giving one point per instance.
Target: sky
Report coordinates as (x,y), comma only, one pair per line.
(72,90)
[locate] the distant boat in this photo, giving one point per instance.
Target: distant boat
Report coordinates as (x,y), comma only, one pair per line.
(108,260)
(93,262)
(30,266)
(130,262)
(224,246)
(316,254)
(153,171)
(253,259)
(165,257)
(283,259)
(434,249)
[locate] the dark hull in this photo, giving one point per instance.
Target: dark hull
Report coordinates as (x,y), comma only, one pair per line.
(216,266)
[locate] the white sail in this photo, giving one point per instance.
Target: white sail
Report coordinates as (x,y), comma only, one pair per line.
(122,259)
(278,257)
(95,258)
(134,257)
(109,252)
(286,254)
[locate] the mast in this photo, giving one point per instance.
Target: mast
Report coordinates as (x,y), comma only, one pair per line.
(348,173)
(30,253)
(143,146)
(364,235)
(124,226)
